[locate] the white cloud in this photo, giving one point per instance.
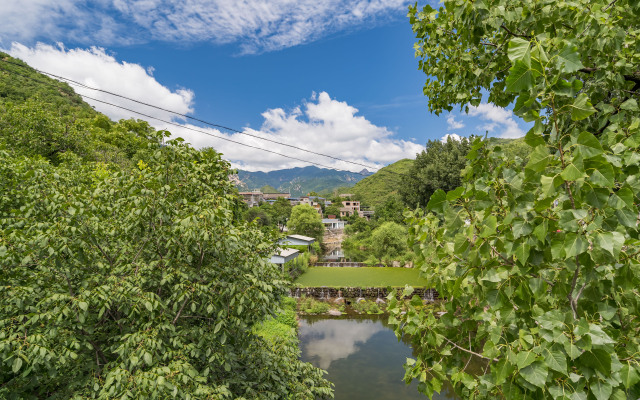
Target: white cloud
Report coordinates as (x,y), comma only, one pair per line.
(94,67)
(500,121)
(453,136)
(322,124)
(453,124)
(255,25)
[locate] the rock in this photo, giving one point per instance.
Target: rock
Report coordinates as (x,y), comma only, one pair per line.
(334,312)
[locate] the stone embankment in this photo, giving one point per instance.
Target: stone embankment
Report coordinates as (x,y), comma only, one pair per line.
(348,264)
(325,293)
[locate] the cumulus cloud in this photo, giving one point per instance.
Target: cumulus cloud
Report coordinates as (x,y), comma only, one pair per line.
(453,136)
(256,26)
(499,121)
(321,124)
(453,123)
(95,68)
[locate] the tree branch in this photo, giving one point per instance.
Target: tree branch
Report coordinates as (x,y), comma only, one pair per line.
(470,352)
(184,303)
(503,26)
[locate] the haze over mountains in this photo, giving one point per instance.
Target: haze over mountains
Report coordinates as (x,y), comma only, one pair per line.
(299,181)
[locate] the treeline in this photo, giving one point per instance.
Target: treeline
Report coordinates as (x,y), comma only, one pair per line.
(126,270)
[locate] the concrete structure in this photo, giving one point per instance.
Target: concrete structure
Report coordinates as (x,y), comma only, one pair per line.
(253,198)
(332,223)
(306,200)
(297,240)
(349,208)
(274,196)
(283,256)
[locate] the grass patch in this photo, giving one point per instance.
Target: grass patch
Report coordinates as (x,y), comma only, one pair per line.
(361,277)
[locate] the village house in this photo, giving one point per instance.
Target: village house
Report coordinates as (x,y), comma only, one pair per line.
(255,197)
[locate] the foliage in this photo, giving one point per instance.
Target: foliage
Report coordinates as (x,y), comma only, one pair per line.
(389,241)
(259,215)
(374,190)
(333,209)
(131,277)
(305,220)
(309,305)
(19,83)
(391,210)
(539,264)
(365,306)
(280,211)
(437,167)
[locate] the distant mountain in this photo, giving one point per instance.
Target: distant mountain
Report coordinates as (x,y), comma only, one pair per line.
(298,181)
(374,190)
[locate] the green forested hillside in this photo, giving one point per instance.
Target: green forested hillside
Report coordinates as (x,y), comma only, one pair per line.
(374,190)
(124,270)
(299,181)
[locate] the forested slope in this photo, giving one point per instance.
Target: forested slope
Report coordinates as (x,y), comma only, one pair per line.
(124,271)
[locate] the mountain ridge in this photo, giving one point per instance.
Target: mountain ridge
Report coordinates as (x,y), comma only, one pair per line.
(298,181)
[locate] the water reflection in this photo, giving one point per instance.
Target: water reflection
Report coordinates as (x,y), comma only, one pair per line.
(329,340)
(363,357)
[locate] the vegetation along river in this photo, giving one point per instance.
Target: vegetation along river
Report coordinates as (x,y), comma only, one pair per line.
(362,355)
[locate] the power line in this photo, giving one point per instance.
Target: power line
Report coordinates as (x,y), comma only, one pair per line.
(204,122)
(189,128)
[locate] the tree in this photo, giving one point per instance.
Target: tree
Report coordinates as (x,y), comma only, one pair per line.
(389,241)
(137,283)
(539,265)
(438,167)
(391,210)
(281,211)
(305,220)
(259,214)
(333,209)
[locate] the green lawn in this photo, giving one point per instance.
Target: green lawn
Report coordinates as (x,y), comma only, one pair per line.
(360,277)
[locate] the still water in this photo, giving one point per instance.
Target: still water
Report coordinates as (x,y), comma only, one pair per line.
(362,355)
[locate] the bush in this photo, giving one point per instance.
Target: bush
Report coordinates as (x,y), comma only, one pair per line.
(310,305)
(367,307)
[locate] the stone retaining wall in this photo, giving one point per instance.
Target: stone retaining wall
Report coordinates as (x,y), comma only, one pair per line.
(325,293)
(395,264)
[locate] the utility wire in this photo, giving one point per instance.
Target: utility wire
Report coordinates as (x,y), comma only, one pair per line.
(201,121)
(186,127)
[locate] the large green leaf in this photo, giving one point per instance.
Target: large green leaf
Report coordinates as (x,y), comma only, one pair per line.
(597,359)
(589,145)
(574,244)
(536,374)
(569,59)
(556,360)
(629,375)
(520,77)
(581,108)
(518,49)
(538,159)
(601,390)
(572,173)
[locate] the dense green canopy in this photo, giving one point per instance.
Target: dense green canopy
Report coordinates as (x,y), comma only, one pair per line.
(125,271)
(538,262)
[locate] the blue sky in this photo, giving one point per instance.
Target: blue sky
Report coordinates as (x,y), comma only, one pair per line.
(334,76)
